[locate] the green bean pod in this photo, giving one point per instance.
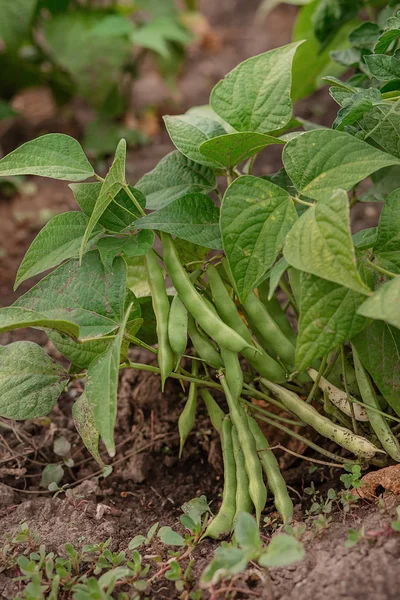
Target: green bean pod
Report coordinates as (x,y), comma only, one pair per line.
(267,331)
(187,417)
(227,310)
(233,372)
(211,323)
(161,309)
(307,413)
(215,413)
(378,421)
(203,346)
(257,489)
(222,524)
(276,311)
(243,500)
(276,482)
(178,327)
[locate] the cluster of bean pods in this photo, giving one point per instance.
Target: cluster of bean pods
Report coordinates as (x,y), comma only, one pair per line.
(218,334)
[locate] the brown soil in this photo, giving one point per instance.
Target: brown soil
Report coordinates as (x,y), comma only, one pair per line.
(148,482)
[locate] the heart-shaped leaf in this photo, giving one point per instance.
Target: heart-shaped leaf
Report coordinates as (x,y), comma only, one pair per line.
(231,149)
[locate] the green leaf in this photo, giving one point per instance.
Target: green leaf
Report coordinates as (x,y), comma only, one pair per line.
(320,160)
(61,446)
(256,216)
(331,15)
(59,239)
(193,217)
(13,317)
(384,182)
(320,243)
(188,132)
(231,149)
(30,381)
(365,36)
(170,537)
(92,297)
(282,550)
(383,67)
(80,355)
(52,473)
(227,561)
(102,388)
(378,347)
(156,34)
(328,318)
(85,426)
(53,155)
(355,107)
(365,238)
(135,245)
(119,214)
(382,124)
(15,21)
(112,184)
(388,239)
(174,176)
(276,275)
(137,279)
(255,96)
(247,534)
(384,305)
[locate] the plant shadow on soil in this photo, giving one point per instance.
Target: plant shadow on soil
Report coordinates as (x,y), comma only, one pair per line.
(149,483)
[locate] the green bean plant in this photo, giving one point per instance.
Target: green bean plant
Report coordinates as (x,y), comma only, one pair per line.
(269,294)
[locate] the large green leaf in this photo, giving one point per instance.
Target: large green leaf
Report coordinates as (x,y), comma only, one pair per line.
(84,423)
(384,305)
(59,239)
(387,245)
(174,176)
(13,317)
(119,214)
(328,317)
(53,155)
(383,67)
(112,184)
(188,132)
(30,381)
(231,149)
(102,388)
(320,243)
(134,245)
(256,216)
(382,125)
(16,17)
(94,63)
(193,217)
(255,96)
(378,347)
(321,160)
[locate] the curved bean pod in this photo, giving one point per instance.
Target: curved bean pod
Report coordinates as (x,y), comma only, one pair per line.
(215,413)
(378,421)
(203,346)
(233,372)
(161,309)
(211,323)
(307,413)
(266,330)
(276,311)
(276,482)
(257,489)
(187,417)
(227,310)
(222,523)
(243,500)
(178,327)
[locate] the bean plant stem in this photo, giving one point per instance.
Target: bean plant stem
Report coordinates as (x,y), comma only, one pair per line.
(317,379)
(346,389)
(132,197)
(153,369)
(380,269)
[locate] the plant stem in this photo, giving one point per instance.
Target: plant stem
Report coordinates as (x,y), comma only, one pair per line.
(126,189)
(135,340)
(316,382)
(380,269)
(273,415)
(299,201)
(285,288)
(99,178)
(153,369)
